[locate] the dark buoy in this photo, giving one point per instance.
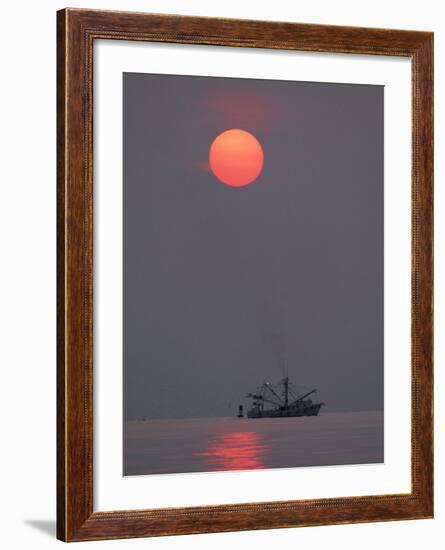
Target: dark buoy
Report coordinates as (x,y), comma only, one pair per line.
(240,412)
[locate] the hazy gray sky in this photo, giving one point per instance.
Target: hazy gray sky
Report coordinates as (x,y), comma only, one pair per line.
(225,286)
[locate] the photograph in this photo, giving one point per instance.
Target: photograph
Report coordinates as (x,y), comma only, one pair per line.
(253,274)
(223,275)
(244,276)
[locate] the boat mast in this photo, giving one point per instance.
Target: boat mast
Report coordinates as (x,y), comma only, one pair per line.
(286,391)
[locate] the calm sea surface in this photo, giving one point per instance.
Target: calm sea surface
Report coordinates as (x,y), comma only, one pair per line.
(217,444)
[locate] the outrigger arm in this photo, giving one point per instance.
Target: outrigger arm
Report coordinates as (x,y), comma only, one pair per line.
(305,395)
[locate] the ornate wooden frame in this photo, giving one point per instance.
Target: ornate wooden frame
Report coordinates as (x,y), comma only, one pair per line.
(76,32)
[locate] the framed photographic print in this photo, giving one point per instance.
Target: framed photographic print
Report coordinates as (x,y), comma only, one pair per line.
(245,228)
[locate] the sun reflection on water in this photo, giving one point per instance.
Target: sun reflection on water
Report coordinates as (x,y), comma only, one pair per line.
(235,451)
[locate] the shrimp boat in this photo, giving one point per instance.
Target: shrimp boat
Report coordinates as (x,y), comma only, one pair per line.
(279,401)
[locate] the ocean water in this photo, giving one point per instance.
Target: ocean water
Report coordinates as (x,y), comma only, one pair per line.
(226,443)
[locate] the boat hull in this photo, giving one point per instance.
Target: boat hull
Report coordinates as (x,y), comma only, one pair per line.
(310,410)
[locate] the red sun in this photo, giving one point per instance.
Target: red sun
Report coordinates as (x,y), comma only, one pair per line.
(236,157)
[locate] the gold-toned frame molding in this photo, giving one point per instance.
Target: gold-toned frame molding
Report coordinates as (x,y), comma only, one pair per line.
(76,32)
